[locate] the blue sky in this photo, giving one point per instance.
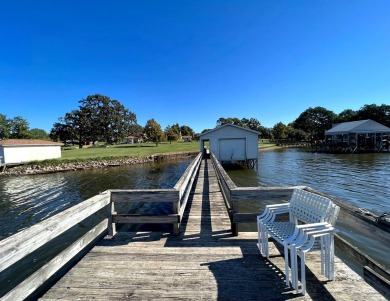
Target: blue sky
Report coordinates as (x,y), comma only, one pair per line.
(192,62)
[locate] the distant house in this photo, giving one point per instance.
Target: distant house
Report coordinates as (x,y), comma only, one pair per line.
(14,151)
(187,138)
(362,134)
(231,143)
(132,140)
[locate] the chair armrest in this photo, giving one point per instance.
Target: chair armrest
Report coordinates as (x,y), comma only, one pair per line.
(272,210)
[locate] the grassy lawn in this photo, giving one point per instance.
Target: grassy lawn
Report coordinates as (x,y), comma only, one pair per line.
(127,150)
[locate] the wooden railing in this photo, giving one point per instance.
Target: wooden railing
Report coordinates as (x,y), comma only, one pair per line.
(234,195)
(14,249)
(178,196)
(20,245)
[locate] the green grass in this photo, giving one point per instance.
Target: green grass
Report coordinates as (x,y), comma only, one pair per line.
(127,150)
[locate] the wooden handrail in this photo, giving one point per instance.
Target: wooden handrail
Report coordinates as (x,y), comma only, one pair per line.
(17,246)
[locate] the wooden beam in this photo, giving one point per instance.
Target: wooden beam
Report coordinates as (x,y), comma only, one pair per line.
(25,242)
(262,193)
(146,219)
(33,282)
(144,195)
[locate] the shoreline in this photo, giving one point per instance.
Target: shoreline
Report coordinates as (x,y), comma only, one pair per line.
(35,168)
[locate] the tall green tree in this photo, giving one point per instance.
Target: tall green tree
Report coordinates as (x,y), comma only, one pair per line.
(18,128)
(346,116)
(39,134)
(315,121)
(63,132)
(380,113)
(186,131)
(4,127)
(279,131)
(171,134)
(153,131)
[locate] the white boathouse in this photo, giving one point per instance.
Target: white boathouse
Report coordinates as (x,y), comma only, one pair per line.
(232,144)
(15,151)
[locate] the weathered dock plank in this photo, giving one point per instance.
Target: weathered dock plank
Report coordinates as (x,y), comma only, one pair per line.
(204,262)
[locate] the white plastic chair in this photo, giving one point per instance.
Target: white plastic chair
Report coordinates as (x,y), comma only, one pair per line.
(303,243)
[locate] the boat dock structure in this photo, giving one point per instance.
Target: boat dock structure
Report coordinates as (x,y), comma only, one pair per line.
(203,256)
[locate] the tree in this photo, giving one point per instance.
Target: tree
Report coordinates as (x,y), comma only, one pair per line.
(4,127)
(186,131)
(296,134)
(62,132)
(39,134)
(380,113)
(315,121)
(229,120)
(135,130)
(346,116)
(279,131)
(153,131)
(18,128)
(98,119)
(171,134)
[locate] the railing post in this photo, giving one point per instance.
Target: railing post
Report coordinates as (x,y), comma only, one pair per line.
(234,225)
(111,228)
(175,209)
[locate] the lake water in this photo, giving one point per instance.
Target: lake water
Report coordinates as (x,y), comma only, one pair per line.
(359,179)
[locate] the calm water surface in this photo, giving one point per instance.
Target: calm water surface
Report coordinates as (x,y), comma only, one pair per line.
(26,200)
(361,180)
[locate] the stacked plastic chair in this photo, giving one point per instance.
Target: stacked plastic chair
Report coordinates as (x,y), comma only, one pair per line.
(318,215)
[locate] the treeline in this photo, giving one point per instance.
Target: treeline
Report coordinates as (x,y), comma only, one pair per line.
(18,128)
(99,118)
(102,119)
(313,122)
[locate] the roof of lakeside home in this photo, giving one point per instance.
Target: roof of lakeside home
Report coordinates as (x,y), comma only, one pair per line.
(360,126)
(27,142)
(230,125)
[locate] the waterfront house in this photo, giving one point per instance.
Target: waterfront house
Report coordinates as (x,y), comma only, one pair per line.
(132,140)
(232,144)
(186,138)
(15,151)
(361,135)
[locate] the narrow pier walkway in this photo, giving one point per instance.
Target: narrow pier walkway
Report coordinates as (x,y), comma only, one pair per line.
(205,262)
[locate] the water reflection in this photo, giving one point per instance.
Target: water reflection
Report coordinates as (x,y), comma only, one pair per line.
(26,200)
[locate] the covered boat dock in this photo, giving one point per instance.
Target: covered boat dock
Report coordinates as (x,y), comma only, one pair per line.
(356,136)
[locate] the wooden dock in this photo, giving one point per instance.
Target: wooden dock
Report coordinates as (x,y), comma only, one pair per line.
(204,262)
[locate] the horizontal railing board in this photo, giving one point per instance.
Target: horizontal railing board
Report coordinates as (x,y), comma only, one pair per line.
(17,246)
(245,217)
(221,171)
(262,193)
(33,282)
(145,219)
(145,195)
(185,178)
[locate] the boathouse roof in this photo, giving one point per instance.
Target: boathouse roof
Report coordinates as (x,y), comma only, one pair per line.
(229,125)
(27,142)
(360,126)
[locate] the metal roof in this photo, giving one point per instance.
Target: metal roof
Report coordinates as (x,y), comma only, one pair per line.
(360,126)
(230,125)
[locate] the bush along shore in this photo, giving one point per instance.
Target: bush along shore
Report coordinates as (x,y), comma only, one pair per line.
(51,166)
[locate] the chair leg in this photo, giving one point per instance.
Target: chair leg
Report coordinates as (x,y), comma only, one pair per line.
(303,273)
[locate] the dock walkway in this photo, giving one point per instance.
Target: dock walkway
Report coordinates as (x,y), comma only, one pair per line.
(204,262)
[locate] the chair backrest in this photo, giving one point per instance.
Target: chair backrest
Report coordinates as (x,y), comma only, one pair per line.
(309,207)
(332,214)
